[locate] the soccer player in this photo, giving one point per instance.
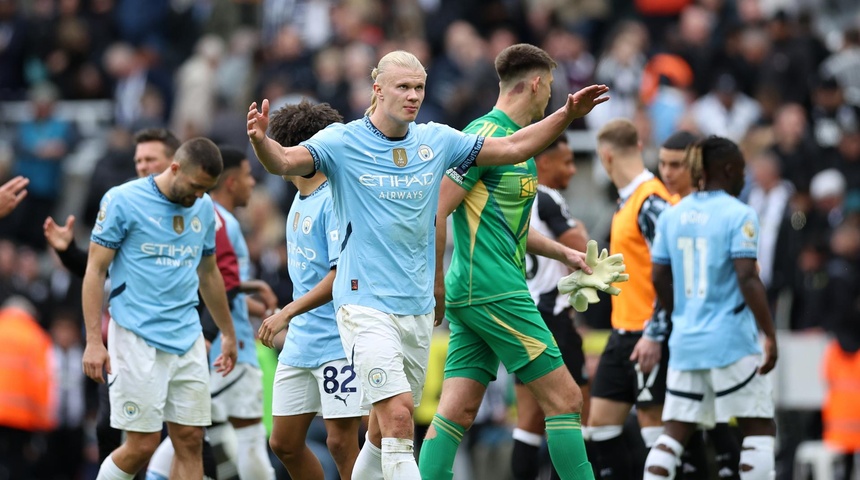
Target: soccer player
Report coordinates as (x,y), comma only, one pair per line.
(237,434)
(157,241)
(632,368)
(550,217)
(705,274)
(672,165)
(153,152)
(314,375)
(491,312)
(384,172)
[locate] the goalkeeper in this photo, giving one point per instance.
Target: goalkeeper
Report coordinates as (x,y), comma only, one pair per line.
(491,313)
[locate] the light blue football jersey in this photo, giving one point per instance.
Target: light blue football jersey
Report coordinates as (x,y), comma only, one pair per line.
(712,326)
(245,339)
(385,194)
(313,246)
(159,245)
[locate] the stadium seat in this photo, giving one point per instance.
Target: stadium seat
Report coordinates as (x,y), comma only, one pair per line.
(812,456)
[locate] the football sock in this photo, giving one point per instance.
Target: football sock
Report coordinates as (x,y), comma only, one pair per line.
(567,448)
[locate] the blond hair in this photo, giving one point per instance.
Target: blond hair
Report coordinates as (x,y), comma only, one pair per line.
(395,59)
(620,134)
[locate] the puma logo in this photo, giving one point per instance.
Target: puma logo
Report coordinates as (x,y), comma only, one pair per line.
(342,399)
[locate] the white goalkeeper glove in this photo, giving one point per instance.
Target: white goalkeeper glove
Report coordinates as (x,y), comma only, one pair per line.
(583,287)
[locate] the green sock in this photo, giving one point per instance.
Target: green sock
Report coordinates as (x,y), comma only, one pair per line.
(567,448)
(436,461)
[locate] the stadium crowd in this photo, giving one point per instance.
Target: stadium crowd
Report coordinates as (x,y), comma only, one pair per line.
(781,78)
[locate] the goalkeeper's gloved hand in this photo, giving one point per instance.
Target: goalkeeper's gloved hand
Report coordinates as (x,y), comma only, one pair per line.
(583,287)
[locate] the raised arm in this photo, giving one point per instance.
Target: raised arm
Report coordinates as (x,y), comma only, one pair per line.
(756,299)
(534,138)
(95,357)
(275,158)
(215,297)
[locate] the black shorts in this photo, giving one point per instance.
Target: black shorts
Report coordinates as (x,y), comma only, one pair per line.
(569,343)
(617,379)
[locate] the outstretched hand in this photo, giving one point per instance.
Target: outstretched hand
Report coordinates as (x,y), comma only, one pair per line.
(11,194)
(59,236)
(583,101)
(258,122)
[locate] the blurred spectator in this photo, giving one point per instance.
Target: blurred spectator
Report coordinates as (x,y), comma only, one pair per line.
(827,190)
(725,111)
(310,18)
(73,403)
(13,50)
(133,75)
(42,145)
(464,80)
(575,68)
(789,62)
(844,66)
(794,146)
(287,62)
(769,197)
(27,382)
(664,91)
(114,168)
(620,67)
(235,71)
(195,94)
(841,363)
(849,158)
(831,117)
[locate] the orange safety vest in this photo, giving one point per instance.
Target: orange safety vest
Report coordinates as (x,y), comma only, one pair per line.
(634,306)
(27,398)
(841,410)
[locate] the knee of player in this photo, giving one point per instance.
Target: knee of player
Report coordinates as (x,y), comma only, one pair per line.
(341,445)
(286,445)
(147,444)
(189,438)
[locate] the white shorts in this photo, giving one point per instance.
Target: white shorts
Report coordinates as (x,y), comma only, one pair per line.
(707,397)
(330,390)
(390,352)
(149,386)
(238,395)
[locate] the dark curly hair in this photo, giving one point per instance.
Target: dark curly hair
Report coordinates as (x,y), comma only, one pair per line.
(292,124)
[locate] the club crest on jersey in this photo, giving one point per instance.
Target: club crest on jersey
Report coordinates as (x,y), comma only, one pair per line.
(196,225)
(306,225)
(102,214)
(528,186)
(399,156)
(749,229)
(425,153)
(178,224)
(296,221)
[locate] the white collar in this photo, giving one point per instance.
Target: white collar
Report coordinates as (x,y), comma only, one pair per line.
(625,192)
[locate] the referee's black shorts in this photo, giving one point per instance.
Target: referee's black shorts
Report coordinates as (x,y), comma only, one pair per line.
(618,379)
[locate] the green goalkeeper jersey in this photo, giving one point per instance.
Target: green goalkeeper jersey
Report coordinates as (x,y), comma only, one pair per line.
(491,225)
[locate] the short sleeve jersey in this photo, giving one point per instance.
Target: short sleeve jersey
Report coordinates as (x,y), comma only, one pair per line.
(491,224)
(245,338)
(159,245)
(552,219)
(385,193)
(312,251)
(700,237)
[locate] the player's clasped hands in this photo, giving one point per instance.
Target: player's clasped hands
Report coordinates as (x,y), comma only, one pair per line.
(583,287)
